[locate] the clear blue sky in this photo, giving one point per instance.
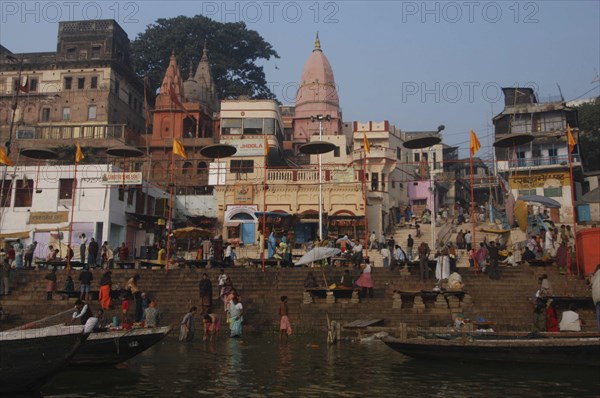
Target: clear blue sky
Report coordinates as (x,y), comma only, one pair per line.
(417,64)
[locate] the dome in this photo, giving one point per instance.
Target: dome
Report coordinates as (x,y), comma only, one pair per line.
(191,89)
(317,84)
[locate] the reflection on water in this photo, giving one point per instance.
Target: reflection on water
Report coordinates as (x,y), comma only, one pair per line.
(261,366)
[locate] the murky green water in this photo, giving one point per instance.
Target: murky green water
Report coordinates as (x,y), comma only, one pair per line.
(261,366)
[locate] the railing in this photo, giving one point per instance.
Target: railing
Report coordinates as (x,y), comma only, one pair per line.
(562,160)
(375,152)
(70,132)
(310,176)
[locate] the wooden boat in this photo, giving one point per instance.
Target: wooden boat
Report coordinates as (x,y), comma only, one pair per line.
(29,358)
(113,347)
(550,351)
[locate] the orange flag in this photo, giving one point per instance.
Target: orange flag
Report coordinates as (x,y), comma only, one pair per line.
(4,159)
(78,154)
(475,144)
(570,139)
(366,143)
(178,148)
(266,144)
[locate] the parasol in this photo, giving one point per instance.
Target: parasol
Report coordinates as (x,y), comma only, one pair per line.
(521,215)
(316,254)
(592,197)
(540,200)
(191,233)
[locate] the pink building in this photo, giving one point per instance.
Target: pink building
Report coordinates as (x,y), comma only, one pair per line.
(419,196)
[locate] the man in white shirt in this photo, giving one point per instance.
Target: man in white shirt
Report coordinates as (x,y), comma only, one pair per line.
(93,322)
(385,254)
(570,321)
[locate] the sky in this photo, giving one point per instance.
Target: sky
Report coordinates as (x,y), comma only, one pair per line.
(417,64)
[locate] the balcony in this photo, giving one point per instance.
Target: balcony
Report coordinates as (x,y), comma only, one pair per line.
(376,152)
(285,176)
(552,162)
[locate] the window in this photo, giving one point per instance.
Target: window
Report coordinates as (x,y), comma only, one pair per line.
(187,168)
(253,126)
(130,194)
(45,115)
(33,84)
(398,153)
(24,193)
(201,168)
(68,83)
(65,188)
(71,52)
(6,196)
(117,87)
(336,152)
(374,181)
(525,192)
(269,126)
(92,112)
(81,83)
(521,162)
(121,194)
(553,192)
(96,51)
(241,166)
(434,161)
(94,82)
(417,157)
(383,182)
(553,155)
(66,113)
(231,126)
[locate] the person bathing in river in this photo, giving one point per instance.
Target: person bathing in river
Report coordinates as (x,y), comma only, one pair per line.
(285,326)
(236,316)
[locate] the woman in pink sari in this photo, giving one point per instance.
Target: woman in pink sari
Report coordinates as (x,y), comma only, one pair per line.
(480,257)
(365,281)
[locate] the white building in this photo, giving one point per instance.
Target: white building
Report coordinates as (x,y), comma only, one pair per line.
(37,205)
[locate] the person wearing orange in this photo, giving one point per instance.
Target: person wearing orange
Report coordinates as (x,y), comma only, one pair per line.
(105,286)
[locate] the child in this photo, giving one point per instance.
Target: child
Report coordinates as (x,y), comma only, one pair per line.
(471,258)
(285,326)
(124,310)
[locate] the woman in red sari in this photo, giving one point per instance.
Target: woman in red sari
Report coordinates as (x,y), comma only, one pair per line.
(551,318)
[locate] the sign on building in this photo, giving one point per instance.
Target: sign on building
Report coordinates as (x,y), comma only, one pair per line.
(48,217)
(120,178)
(243,194)
(247,147)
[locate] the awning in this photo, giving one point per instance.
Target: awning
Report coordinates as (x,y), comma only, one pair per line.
(145,218)
(272,213)
(15,235)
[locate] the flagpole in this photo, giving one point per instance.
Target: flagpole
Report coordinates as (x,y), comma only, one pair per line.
(264,217)
(74,190)
(172,183)
(366,208)
(572,186)
(472,202)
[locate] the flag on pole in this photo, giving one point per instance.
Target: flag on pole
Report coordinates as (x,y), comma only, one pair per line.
(475,144)
(78,154)
(570,139)
(366,143)
(178,149)
(266,144)
(177,102)
(4,159)
(25,86)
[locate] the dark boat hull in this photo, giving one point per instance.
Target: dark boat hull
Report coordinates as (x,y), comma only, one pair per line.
(111,348)
(576,351)
(29,362)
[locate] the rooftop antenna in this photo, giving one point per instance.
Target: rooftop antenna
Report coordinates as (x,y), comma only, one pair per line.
(562,98)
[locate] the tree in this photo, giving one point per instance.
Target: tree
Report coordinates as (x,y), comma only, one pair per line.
(232,49)
(588,116)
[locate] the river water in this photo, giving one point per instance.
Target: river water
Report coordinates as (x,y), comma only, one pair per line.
(262,366)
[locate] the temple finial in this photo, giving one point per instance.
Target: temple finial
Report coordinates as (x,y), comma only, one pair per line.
(317,43)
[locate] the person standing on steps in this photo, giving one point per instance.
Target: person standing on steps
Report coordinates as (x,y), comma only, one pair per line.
(410,243)
(372,241)
(205,289)
(50,284)
(82,244)
(132,286)
(423,252)
(92,253)
(85,279)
